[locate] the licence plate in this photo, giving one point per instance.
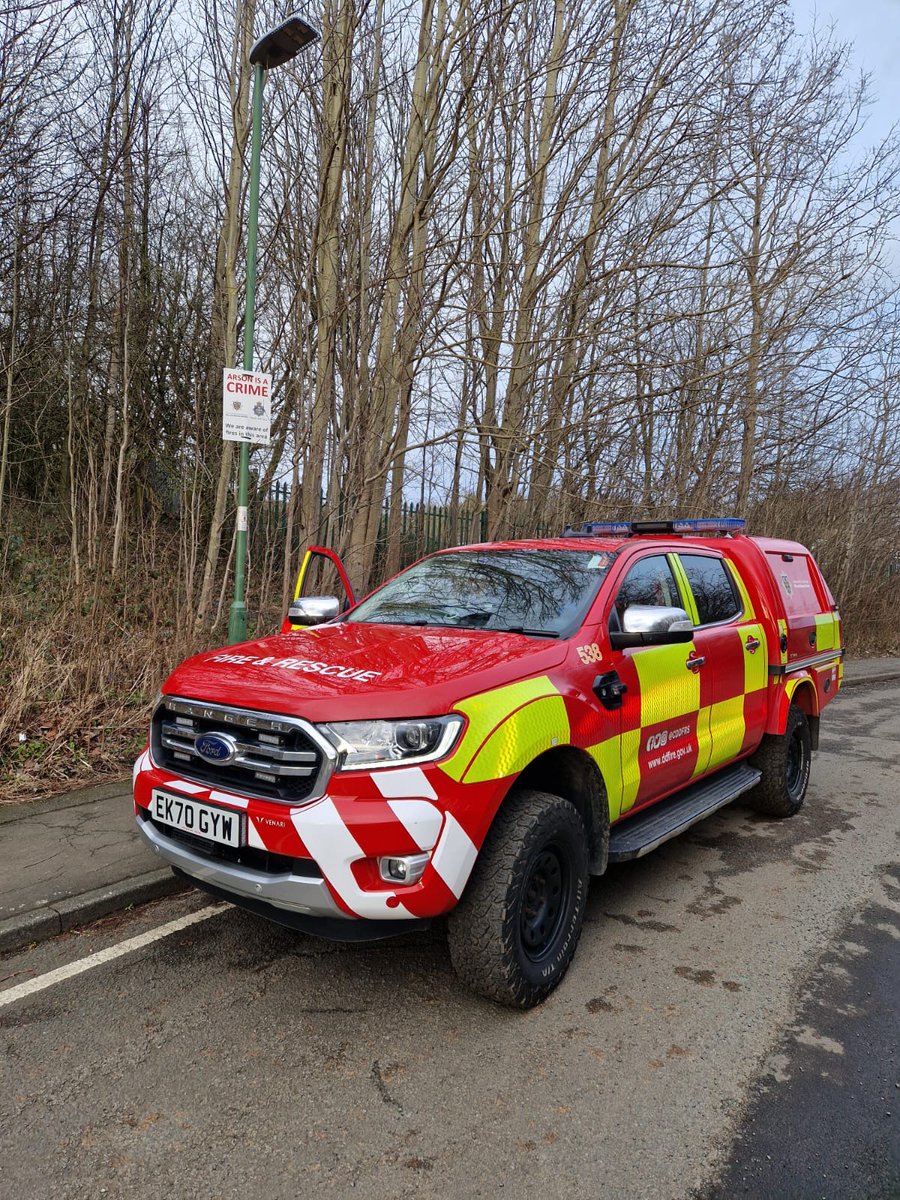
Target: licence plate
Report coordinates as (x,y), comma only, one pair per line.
(202,820)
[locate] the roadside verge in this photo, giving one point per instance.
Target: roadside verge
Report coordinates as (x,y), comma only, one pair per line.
(71,859)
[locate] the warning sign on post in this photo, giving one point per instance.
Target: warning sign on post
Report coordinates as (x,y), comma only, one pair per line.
(246,406)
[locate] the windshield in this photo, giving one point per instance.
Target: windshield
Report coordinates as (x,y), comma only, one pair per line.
(543,593)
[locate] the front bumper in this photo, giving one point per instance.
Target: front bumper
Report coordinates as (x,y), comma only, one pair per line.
(319,861)
(295,893)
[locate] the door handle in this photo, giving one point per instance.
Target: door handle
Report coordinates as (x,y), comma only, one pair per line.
(752,644)
(812,637)
(694,664)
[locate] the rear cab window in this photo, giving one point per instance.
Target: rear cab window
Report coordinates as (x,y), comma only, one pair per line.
(797,584)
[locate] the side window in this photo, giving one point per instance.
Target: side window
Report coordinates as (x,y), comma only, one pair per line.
(650,581)
(712,586)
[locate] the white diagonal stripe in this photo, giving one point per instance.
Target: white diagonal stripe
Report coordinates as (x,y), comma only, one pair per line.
(404,782)
(334,848)
(181,785)
(229,798)
(455,856)
(421,820)
(253,838)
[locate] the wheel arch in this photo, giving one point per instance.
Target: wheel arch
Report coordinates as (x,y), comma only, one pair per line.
(572,774)
(802,693)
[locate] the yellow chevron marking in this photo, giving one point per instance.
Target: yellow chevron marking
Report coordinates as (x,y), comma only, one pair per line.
(727,723)
(756,667)
(826,631)
(519,739)
(617,758)
(487,710)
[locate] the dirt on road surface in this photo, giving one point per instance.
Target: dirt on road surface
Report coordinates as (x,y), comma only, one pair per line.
(232,1058)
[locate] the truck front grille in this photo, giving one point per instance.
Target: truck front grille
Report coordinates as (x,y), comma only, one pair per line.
(273,757)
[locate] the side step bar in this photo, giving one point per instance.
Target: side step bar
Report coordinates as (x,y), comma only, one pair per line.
(636,836)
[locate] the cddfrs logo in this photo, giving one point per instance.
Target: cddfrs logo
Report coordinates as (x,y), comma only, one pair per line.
(656,741)
(216,747)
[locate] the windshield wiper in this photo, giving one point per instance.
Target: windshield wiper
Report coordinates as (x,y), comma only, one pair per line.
(419,622)
(545,633)
(433,624)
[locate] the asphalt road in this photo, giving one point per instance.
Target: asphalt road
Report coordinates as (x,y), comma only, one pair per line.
(729,1027)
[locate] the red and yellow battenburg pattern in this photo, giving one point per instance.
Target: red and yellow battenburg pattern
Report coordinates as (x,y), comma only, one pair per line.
(686,710)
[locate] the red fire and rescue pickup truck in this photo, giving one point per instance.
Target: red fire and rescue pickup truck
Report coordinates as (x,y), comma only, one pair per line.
(489,729)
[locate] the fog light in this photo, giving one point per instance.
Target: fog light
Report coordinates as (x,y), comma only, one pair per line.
(405,869)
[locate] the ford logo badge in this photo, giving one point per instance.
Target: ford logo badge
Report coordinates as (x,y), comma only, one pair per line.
(215,747)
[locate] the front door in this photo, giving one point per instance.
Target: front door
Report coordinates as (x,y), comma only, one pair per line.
(661,741)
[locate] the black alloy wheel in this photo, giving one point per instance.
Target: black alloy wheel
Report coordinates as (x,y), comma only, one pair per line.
(797,764)
(547,890)
(784,761)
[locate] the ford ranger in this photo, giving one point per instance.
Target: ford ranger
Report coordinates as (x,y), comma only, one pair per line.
(489,729)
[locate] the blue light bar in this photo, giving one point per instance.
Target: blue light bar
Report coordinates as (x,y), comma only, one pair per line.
(710,525)
(690,526)
(606,528)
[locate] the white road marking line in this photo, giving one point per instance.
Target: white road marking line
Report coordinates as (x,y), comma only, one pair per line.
(30,986)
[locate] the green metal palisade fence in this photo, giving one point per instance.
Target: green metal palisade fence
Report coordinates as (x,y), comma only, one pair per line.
(423,527)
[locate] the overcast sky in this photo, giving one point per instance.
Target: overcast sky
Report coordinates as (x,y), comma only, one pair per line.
(873,26)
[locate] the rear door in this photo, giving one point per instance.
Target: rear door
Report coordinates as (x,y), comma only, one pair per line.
(731,652)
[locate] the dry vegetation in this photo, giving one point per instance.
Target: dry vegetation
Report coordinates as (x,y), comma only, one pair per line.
(544,260)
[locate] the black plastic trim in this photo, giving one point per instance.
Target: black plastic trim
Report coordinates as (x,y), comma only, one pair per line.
(637,834)
(242,856)
(817,660)
(609,690)
(665,637)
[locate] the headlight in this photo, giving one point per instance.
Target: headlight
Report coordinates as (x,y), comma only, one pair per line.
(389,743)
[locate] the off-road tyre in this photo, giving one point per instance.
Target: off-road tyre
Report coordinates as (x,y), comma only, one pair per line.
(513,934)
(785,761)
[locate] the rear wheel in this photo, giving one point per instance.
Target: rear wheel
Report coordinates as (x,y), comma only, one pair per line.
(785,762)
(514,932)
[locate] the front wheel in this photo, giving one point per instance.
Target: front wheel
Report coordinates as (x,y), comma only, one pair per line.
(785,762)
(514,932)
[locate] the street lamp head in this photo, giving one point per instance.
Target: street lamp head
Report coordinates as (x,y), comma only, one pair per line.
(283,43)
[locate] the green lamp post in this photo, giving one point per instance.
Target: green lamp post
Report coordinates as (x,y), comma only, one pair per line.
(273,49)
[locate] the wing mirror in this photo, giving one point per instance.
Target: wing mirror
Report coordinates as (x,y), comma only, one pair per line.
(652,625)
(314,610)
